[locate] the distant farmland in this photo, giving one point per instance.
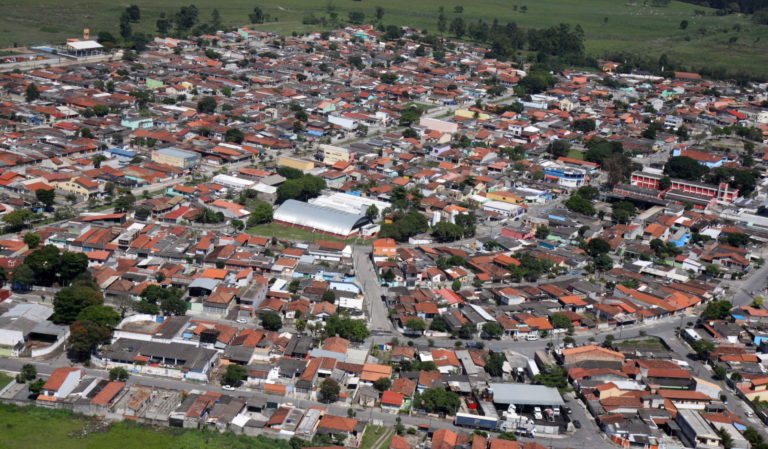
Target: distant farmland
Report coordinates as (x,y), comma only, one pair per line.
(730,41)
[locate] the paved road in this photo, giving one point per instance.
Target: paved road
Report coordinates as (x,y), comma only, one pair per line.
(364,271)
(740,292)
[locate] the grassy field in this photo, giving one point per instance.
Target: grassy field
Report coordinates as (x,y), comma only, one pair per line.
(372,435)
(38,428)
(5,379)
(576,154)
(610,25)
(287,232)
(650,343)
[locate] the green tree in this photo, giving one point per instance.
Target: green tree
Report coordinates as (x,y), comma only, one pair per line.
(271,321)
(124,203)
(23,277)
(32,240)
(103,315)
(234,375)
(382,383)
(467,331)
(665,183)
(118,374)
(458,27)
(329,390)
(70,301)
(17,219)
(125,26)
(554,377)
(261,213)
(493,329)
(560,321)
(234,135)
(372,212)
(603,262)
(28,371)
(702,347)
(134,13)
(447,232)
(415,325)
(584,125)
(580,205)
(257,16)
(559,148)
(356,17)
(684,167)
(345,327)
(726,440)
(172,304)
(206,215)
(36,387)
(456,285)
(97,160)
(439,400)
(716,310)
(542,232)
(85,336)
(206,105)
(597,246)
(328,296)
(438,324)
(31,93)
(494,364)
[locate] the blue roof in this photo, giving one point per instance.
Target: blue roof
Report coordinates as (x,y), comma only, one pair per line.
(122,152)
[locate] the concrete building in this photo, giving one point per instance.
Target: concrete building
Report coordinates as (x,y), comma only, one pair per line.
(333,154)
(176,157)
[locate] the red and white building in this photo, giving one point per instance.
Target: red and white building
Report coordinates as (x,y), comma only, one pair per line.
(721,192)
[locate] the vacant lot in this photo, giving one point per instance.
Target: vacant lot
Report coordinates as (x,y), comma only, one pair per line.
(38,428)
(731,41)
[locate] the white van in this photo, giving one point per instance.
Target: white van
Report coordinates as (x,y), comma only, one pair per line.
(532,337)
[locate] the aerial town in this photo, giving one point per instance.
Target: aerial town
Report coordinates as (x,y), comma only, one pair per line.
(349,239)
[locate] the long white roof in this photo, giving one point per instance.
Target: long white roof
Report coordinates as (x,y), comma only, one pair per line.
(84,45)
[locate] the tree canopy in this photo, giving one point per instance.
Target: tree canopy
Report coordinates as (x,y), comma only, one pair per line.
(301,189)
(404,226)
(684,167)
(346,327)
(439,400)
(70,301)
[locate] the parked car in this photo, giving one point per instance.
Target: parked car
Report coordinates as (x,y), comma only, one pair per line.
(228,387)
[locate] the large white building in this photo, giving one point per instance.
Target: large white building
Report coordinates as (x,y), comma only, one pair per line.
(349,203)
(320,218)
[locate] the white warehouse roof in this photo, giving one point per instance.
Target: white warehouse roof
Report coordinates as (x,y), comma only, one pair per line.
(524,394)
(84,45)
(321,218)
(346,202)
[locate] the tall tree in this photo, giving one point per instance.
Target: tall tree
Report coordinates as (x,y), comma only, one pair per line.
(70,301)
(125,26)
(134,13)
(31,93)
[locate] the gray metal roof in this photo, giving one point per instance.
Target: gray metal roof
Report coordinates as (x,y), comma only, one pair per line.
(321,218)
(178,152)
(524,394)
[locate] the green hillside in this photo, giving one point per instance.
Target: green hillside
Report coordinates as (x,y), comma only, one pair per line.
(610,25)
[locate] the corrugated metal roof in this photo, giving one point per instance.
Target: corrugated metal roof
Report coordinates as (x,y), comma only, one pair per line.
(322,218)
